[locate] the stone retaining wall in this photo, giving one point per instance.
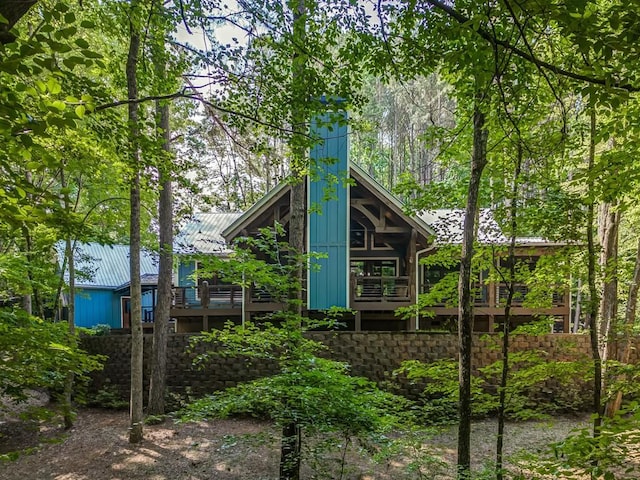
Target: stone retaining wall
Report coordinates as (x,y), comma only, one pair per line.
(371,354)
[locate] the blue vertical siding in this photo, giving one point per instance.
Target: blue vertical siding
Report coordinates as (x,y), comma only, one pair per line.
(186,268)
(97,306)
(328,228)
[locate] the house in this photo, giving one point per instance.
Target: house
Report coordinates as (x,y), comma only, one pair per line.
(374,265)
(374,255)
(102,285)
(385,270)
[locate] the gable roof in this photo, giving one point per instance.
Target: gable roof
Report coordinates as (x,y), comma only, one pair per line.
(203,233)
(235,227)
(107,266)
(389,199)
(357,174)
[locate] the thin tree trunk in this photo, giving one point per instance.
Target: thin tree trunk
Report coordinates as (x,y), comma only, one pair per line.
(13,11)
(624,353)
(69,381)
(502,406)
(70,261)
(31,301)
(157,385)
(136,402)
(576,317)
(593,292)
(465,309)
(609,222)
(290,448)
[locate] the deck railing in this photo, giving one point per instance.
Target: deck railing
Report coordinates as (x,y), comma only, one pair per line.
(220,296)
(520,293)
(480,295)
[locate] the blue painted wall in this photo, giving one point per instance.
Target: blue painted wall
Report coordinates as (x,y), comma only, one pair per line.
(97,306)
(186,268)
(103,307)
(328,229)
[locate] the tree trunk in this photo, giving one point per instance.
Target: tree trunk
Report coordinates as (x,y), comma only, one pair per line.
(12,10)
(465,309)
(608,222)
(576,317)
(136,402)
(624,353)
(69,381)
(291,432)
(71,265)
(290,452)
(502,407)
(157,385)
(593,292)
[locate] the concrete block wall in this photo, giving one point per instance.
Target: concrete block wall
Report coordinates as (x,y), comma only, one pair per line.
(371,354)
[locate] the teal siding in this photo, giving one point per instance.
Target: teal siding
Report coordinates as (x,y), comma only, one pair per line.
(328,227)
(97,306)
(186,268)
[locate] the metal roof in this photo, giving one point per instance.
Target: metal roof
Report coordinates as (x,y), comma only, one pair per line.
(203,234)
(107,266)
(448,225)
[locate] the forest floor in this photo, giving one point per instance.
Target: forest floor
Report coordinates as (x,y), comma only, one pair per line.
(96,448)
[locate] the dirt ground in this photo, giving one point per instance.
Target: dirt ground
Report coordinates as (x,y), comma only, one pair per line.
(96,448)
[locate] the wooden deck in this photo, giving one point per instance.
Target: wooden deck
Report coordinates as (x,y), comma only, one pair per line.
(368,294)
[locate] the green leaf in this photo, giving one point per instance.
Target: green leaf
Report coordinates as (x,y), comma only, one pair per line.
(91,54)
(59,105)
(54,86)
(62,7)
(82,43)
(80,111)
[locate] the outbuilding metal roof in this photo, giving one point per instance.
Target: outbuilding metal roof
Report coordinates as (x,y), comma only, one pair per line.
(107,266)
(203,234)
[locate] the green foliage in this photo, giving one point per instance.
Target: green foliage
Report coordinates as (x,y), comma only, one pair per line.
(99,330)
(109,397)
(407,448)
(38,354)
(316,393)
(605,455)
(441,390)
(536,388)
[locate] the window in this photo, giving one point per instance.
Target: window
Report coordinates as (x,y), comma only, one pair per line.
(434,273)
(358,235)
(375,268)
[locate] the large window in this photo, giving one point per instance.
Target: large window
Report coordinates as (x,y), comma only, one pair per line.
(375,268)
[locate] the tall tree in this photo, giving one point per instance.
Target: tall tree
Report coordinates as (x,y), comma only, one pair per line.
(137,345)
(157,383)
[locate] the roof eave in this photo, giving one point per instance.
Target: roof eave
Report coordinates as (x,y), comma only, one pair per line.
(391,201)
(233,230)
